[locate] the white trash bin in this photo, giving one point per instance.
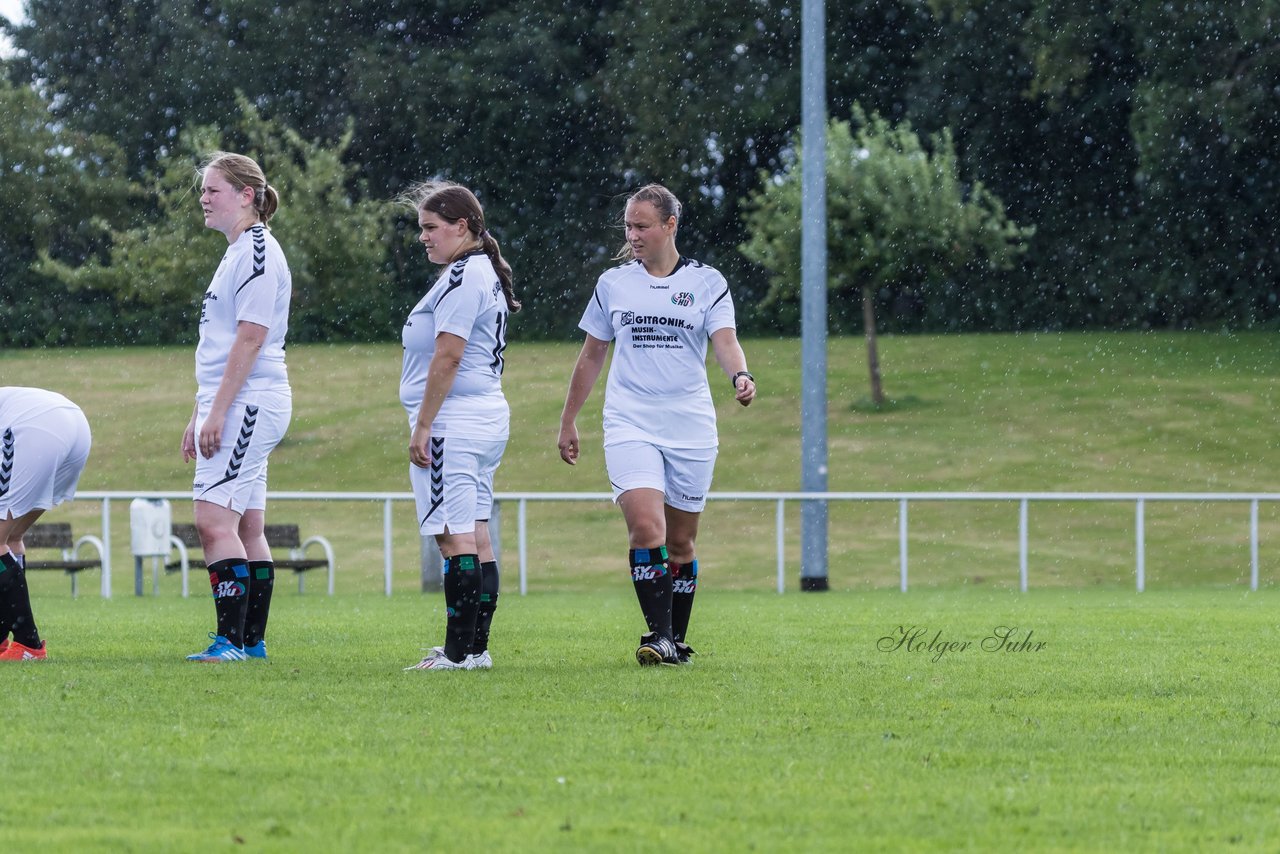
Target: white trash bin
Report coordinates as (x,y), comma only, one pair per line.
(150,521)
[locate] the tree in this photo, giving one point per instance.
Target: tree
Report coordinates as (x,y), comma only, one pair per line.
(332,242)
(898,217)
(55,184)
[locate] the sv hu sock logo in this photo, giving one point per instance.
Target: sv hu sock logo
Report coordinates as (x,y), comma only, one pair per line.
(224,589)
(647,573)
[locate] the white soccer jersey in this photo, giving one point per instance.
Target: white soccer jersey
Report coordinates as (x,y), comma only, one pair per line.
(657,390)
(466,301)
(252,283)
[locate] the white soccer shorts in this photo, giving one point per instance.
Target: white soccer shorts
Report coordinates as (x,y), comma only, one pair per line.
(683,475)
(41,462)
(236,476)
(457,490)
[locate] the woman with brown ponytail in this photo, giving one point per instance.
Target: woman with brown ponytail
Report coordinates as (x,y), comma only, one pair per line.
(243,402)
(451,388)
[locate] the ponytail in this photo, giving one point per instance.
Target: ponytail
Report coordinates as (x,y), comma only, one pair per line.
(500,265)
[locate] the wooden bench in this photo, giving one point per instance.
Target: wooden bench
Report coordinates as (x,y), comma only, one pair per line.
(185,537)
(57,535)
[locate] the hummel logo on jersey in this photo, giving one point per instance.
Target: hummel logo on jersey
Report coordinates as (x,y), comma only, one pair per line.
(630,318)
(683,299)
(6,462)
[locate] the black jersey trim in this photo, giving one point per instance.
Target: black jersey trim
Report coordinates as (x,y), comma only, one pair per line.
(722,296)
(455,280)
(259,255)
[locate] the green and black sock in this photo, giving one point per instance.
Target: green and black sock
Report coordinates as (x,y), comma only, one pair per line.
(652,580)
(230,582)
(488,604)
(262,581)
(462,602)
(684,583)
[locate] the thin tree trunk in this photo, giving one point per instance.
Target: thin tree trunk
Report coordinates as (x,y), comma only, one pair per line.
(873,356)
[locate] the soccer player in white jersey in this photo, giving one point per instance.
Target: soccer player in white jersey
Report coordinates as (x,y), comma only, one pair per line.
(451,389)
(659,308)
(44,444)
(243,403)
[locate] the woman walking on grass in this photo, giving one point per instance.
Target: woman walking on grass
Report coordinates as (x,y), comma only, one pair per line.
(660,308)
(44,444)
(243,403)
(451,389)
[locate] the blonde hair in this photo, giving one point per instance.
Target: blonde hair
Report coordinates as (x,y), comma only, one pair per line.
(662,199)
(242,172)
(453,202)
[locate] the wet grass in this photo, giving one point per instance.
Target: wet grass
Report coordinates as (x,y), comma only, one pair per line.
(966,719)
(1063,412)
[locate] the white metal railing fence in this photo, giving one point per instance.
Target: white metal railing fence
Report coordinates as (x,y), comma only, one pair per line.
(780,499)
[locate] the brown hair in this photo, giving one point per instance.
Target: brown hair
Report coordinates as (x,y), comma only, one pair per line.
(663,200)
(452,202)
(244,172)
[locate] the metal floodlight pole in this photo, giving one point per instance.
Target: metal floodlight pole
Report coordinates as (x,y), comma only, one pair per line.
(813,293)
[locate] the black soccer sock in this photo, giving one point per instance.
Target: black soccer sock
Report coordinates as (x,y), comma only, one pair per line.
(262,580)
(488,604)
(230,582)
(684,583)
(462,602)
(15,602)
(652,580)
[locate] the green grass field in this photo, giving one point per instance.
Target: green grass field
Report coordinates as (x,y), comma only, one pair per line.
(1172,412)
(1140,723)
(1144,722)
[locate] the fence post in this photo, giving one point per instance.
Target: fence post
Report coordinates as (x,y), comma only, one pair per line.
(902,542)
(386,545)
(106,549)
(1022,544)
(521,533)
(1140,524)
(1253,544)
(780,520)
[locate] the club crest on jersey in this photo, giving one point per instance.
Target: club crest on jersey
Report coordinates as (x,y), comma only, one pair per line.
(683,299)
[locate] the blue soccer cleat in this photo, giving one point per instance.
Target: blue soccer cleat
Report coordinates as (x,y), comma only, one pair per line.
(220,650)
(257,651)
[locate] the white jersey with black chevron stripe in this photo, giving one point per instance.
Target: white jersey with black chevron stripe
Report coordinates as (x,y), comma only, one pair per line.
(252,284)
(466,301)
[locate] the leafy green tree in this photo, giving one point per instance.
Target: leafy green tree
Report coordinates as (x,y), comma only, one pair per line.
(898,217)
(55,182)
(335,244)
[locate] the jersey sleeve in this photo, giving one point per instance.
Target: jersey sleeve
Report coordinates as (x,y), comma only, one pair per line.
(462,301)
(595,320)
(721,314)
(258,277)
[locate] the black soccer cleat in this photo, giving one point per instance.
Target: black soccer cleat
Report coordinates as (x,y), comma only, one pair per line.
(655,650)
(683,651)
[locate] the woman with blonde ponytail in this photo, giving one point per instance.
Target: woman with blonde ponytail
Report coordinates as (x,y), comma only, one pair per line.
(243,402)
(451,389)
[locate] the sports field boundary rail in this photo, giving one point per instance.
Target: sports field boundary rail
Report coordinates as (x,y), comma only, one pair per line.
(780,499)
